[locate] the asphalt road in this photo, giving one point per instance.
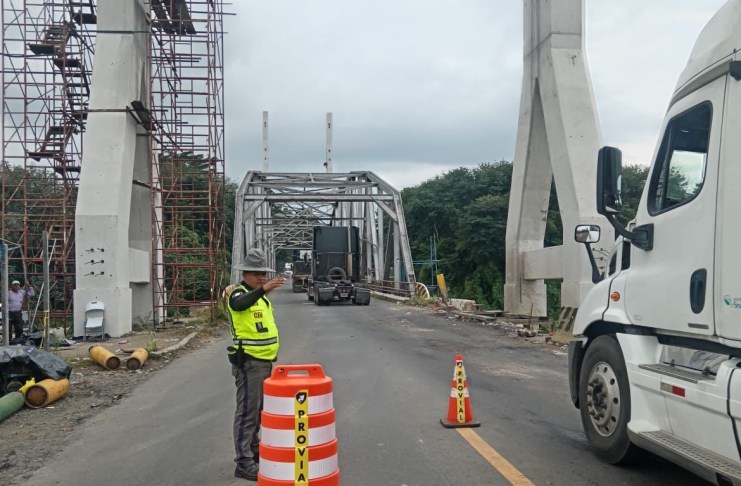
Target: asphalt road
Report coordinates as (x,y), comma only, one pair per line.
(391,367)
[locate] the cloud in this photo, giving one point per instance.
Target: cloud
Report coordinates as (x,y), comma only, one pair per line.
(418,82)
(636,52)
(416,85)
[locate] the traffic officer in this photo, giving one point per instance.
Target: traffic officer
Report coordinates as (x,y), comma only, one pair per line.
(252,353)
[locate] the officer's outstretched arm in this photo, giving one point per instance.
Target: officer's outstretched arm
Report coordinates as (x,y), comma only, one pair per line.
(272,284)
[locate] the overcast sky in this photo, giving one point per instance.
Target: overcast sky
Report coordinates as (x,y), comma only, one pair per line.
(418,87)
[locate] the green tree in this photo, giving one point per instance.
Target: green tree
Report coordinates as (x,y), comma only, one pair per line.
(634,179)
(466,211)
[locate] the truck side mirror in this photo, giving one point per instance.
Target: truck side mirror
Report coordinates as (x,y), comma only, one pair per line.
(609,203)
(609,181)
(587,233)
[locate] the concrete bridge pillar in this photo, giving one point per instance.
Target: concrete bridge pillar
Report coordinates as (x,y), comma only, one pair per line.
(558,138)
(113,221)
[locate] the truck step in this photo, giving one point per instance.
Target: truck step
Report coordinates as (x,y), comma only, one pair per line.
(676,372)
(683,452)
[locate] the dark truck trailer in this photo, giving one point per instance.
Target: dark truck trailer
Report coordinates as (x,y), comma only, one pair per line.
(335,266)
(301,274)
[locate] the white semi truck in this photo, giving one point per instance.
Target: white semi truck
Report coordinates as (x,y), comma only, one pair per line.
(655,363)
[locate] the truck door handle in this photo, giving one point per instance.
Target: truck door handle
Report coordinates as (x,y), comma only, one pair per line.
(697,290)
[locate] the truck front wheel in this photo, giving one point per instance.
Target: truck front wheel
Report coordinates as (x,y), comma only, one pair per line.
(604,398)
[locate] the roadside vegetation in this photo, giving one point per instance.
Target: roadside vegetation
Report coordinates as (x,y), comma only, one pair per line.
(465,212)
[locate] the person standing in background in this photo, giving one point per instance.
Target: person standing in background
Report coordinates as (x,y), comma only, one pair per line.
(16,301)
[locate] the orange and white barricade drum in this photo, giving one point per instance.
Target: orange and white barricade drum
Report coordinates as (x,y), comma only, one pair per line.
(298,444)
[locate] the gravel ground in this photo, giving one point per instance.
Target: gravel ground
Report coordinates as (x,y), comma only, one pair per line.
(31,436)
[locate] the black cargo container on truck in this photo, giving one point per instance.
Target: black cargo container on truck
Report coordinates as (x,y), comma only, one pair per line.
(335,266)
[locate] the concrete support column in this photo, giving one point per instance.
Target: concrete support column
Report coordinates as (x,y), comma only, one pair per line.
(106,260)
(557,141)
(140,232)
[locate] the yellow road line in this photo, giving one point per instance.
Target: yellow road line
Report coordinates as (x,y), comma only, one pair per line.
(499,463)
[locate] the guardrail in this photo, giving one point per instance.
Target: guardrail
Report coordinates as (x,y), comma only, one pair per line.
(391,287)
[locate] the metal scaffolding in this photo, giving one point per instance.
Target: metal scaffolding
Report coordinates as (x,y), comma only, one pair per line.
(47,56)
(277,211)
(187,153)
(47,61)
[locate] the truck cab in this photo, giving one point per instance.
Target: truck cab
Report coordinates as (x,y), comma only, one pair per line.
(300,276)
(654,364)
(335,266)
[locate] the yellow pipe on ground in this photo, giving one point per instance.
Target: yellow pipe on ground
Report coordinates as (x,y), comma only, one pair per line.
(45,392)
(104,358)
(137,359)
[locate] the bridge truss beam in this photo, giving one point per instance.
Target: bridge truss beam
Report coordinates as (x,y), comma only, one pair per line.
(277,211)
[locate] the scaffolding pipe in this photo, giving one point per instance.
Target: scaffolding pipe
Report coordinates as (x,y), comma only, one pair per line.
(45,290)
(4,289)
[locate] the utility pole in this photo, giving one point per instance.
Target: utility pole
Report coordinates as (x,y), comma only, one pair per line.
(265,144)
(328,163)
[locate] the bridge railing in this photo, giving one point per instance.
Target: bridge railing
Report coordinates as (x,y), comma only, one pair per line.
(391,287)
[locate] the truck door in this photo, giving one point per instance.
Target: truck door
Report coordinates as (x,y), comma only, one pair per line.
(728,234)
(670,287)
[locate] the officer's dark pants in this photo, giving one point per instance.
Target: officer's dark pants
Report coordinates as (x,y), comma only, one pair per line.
(249,379)
(16,322)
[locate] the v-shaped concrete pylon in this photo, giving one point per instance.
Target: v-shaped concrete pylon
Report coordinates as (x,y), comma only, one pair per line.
(557,140)
(113,218)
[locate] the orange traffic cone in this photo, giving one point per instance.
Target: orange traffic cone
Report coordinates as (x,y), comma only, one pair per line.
(459,406)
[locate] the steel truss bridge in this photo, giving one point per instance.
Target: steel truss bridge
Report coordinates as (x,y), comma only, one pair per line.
(277,211)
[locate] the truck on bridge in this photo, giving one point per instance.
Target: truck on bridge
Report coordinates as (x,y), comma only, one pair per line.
(300,277)
(655,363)
(335,266)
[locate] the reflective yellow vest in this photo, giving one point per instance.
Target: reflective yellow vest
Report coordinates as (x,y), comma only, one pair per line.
(255,330)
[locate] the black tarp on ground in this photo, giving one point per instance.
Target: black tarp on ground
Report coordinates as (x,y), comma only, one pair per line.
(42,363)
